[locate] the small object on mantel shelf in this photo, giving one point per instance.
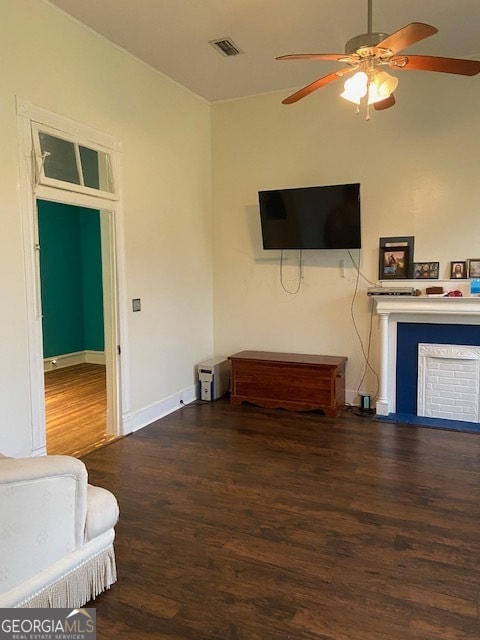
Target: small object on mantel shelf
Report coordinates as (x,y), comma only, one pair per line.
(454,294)
(434,291)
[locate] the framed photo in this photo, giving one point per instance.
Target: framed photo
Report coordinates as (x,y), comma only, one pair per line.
(426,270)
(458,269)
(394,263)
(396,243)
(474,268)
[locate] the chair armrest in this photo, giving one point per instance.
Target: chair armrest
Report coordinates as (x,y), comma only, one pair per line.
(102,512)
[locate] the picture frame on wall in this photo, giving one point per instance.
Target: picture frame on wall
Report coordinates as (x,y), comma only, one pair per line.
(474,267)
(426,270)
(394,263)
(458,269)
(402,244)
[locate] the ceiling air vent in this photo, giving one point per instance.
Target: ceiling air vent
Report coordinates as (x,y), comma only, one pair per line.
(226,46)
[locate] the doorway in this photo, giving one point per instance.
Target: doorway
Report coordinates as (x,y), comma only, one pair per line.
(62,161)
(73,327)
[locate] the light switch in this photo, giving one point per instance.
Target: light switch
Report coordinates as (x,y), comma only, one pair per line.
(136,304)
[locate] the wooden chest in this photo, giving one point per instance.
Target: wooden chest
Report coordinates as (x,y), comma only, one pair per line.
(289,381)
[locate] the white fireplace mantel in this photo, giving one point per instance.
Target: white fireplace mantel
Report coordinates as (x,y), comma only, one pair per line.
(394,309)
(428,304)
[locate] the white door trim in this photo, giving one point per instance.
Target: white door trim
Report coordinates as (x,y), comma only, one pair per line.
(112,231)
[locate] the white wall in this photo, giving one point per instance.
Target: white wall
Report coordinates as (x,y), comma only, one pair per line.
(55,63)
(419,172)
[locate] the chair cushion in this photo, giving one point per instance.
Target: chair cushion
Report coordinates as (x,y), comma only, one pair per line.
(102,512)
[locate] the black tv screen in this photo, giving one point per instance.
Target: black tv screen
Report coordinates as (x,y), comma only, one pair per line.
(325,217)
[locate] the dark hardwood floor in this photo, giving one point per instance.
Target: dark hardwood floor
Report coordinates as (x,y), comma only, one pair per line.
(243,523)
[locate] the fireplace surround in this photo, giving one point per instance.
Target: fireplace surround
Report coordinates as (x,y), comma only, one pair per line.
(448,381)
(404,323)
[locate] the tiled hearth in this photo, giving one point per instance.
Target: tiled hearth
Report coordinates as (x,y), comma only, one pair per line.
(448,323)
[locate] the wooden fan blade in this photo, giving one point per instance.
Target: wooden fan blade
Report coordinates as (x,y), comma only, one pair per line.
(437,63)
(406,36)
(385,104)
(312,56)
(310,88)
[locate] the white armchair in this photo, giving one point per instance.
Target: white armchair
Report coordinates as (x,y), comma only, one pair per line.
(56,533)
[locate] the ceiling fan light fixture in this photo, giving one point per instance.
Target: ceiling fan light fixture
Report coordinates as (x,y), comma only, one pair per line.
(355,87)
(373,94)
(372,51)
(385,84)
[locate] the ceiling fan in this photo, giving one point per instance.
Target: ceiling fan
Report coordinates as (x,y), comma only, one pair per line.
(368,54)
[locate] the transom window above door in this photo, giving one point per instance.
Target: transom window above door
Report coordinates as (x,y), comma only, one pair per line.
(65,163)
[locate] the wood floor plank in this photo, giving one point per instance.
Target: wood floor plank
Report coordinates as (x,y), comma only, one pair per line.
(253,524)
(76,409)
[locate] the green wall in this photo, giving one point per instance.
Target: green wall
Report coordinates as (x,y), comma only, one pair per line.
(71,278)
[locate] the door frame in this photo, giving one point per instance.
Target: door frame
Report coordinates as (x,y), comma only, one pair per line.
(113,260)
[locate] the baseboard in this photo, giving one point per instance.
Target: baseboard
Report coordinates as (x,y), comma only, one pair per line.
(136,420)
(95,357)
(352,398)
(39,451)
(71,359)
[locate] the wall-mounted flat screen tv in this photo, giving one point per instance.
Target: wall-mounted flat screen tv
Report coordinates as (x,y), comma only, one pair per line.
(324,217)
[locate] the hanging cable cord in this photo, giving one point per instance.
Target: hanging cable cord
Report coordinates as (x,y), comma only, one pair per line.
(357,267)
(365,352)
(300,260)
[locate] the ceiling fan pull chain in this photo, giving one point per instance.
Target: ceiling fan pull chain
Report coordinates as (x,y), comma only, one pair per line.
(369,10)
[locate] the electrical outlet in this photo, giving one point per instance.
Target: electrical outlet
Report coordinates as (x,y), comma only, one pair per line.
(136,304)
